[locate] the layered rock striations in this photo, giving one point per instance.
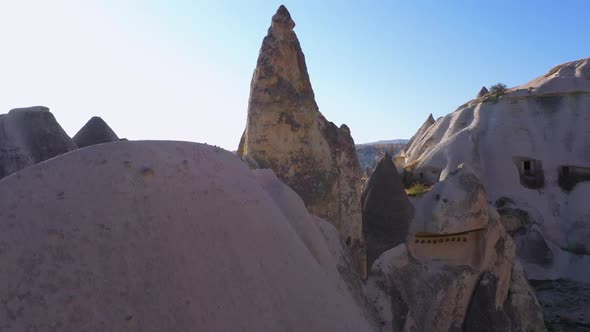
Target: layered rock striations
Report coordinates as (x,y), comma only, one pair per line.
(95,131)
(387,212)
(286,132)
(531,149)
(29,136)
(458,270)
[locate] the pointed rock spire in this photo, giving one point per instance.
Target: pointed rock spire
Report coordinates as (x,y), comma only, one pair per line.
(386,209)
(286,132)
(29,136)
(484,91)
(429,122)
(95,131)
(282,21)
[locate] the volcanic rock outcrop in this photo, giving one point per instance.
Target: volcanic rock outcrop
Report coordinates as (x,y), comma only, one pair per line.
(368,153)
(286,132)
(172,236)
(458,270)
(95,131)
(531,149)
(29,136)
(418,136)
(484,91)
(387,212)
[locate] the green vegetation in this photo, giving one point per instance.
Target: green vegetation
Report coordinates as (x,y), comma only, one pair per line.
(417,189)
(498,89)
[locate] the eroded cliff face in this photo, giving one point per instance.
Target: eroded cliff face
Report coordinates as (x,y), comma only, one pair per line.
(29,136)
(458,270)
(286,132)
(531,149)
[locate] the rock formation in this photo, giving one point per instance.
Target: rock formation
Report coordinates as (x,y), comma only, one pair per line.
(369,152)
(173,236)
(95,131)
(531,149)
(286,132)
(484,91)
(387,212)
(420,133)
(458,270)
(29,136)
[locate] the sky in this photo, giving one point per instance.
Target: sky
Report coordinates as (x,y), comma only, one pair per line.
(181,69)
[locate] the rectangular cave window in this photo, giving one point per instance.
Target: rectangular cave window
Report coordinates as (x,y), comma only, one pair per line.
(527,168)
(565,170)
(570,175)
(530,172)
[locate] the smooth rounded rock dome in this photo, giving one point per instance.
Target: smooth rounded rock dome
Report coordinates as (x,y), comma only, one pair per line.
(158,236)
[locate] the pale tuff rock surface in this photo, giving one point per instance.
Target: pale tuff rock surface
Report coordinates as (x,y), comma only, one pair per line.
(387,212)
(95,131)
(286,132)
(29,136)
(166,236)
(531,150)
(419,135)
(461,275)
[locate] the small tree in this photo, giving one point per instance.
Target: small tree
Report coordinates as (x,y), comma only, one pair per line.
(498,89)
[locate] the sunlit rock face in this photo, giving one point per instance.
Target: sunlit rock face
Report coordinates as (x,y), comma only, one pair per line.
(458,270)
(167,236)
(29,136)
(531,149)
(95,131)
(286,132)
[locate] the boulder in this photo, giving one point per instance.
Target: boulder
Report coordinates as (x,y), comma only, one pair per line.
(458,270)
(167,236)
(387,212)
(95,131)
(29,136)
(286,132)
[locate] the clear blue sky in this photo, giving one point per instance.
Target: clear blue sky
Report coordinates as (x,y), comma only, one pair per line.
(180,69)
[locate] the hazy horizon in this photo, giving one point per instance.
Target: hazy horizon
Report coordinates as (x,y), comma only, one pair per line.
(180,70)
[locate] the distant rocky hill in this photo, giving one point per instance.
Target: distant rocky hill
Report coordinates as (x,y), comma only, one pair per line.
(369,153)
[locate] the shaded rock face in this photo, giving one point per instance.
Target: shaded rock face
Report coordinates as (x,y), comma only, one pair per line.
(387,212)
(173,236)
(286,132)
(29,136)
(458,270)
(484,91)
(95,131)
(523,146)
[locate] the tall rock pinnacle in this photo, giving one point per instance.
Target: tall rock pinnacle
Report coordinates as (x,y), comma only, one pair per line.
(286,132)
(387,211)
